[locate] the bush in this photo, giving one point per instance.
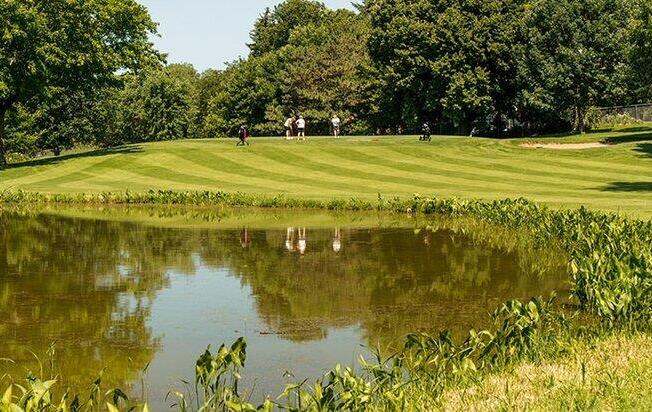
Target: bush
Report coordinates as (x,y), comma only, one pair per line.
(596,119)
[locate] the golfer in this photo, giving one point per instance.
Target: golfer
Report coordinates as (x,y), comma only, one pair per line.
(335,123)
(244,135)
(301,128)
(288,128)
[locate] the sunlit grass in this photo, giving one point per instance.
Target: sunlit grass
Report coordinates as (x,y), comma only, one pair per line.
(616,178)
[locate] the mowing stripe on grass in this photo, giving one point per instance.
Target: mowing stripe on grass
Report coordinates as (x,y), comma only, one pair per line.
(616,178)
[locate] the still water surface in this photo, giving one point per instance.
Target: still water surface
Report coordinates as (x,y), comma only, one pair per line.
(121,293)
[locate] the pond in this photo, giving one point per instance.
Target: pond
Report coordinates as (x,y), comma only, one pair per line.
(144,288)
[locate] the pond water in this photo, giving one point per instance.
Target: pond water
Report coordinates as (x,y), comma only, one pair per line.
(125,290)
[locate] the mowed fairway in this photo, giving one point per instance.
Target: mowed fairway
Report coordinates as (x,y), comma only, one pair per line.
(617,178)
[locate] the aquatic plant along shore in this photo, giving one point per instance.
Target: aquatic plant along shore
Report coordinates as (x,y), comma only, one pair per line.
(610,267)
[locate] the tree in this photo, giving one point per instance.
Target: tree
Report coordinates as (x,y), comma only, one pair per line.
(448,61)
(312,69)
(62,119)
(210,83)
(248,89)
(190,80)
(273,28)
(640,53)
(76,45)
(153,106)
(576,55)
(67,118)
(321,74)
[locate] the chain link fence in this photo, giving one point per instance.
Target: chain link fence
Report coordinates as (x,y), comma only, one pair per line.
(642,112)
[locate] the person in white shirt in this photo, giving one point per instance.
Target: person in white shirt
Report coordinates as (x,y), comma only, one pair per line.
(336,122)
(301,128)
(289,240)
(337,241)
(288,128)
(302,244)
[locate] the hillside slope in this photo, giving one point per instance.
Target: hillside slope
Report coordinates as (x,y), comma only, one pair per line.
(618,177)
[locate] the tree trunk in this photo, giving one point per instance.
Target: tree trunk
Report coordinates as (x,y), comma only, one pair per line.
(581,120)
(3,158)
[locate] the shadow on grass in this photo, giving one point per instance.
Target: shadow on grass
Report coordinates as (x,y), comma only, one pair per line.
(628,187)
(627,129)
(93,153)
(628,138)
(645,149)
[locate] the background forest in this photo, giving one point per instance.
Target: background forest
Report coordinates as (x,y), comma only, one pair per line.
(503,67)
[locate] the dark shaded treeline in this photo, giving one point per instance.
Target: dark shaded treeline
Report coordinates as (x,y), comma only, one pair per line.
(502,67)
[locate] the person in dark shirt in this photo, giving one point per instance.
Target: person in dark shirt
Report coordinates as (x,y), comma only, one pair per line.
(244,136)
(425,133)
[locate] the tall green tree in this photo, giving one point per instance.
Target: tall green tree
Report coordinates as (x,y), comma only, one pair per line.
(273,28)
(312,67)
(447,61)
(576,55)
(640,53)
(249,89)
(210,83)
(68,44)
(153,106)
(65,119)
(322,71)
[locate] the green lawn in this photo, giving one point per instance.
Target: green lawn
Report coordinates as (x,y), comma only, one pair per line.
(617,178)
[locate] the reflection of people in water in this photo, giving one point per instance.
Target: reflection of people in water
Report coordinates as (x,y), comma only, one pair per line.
(301,244)
(245,241)
(426,238)
(289,240)
(337,241)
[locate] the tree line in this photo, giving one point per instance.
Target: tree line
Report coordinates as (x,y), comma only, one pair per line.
(502,67)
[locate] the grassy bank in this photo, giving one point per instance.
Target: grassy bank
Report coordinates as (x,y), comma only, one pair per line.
(615,178)
(612,373)
(610,262)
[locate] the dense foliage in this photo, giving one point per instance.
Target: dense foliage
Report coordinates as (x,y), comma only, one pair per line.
(506,64)
(501,67)
(50,50)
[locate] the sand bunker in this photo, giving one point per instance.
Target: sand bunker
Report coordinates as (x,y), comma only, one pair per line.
(564,146)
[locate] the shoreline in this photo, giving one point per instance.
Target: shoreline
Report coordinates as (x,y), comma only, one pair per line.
(609,263)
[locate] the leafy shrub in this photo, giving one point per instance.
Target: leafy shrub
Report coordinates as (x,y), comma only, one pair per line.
(35,395)
(596,118)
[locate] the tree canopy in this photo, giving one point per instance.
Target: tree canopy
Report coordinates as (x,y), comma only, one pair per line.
(274,27)
(75,72)
(576,55)
(76,45)
(454,61)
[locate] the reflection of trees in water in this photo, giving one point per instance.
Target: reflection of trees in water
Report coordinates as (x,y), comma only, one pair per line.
(388,282)
(88,285)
